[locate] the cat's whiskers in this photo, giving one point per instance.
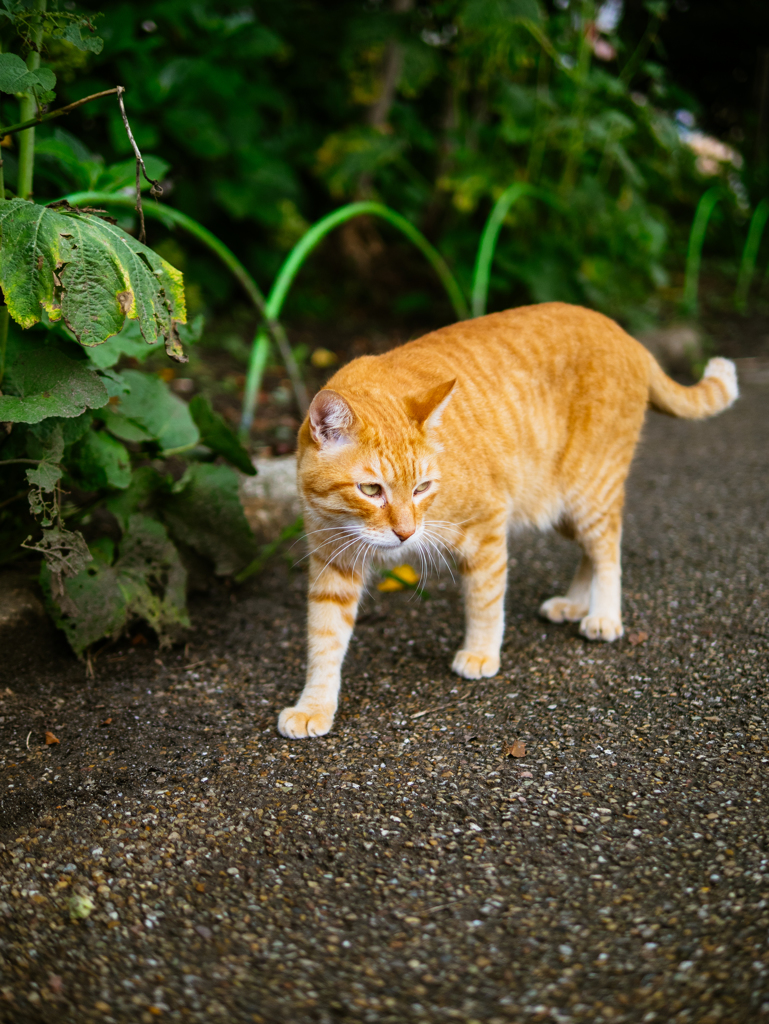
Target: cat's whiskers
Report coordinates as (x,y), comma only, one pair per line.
(435,541)
(337,554)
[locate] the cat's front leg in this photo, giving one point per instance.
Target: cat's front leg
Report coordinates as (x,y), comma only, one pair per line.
(333,597)
(484,577)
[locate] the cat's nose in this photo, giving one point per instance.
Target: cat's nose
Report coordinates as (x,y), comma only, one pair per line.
(403,534)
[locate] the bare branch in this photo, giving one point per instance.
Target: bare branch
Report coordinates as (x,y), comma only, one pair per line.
(156,189)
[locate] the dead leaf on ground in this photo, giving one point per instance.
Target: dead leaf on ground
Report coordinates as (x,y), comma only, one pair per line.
(107,721)
(49,738)
(517,749)
(637,638)
(200,887)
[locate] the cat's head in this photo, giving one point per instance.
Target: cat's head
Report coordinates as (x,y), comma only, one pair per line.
(369,468)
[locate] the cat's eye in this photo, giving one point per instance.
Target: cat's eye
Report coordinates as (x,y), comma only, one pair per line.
(422,487)
(372,490)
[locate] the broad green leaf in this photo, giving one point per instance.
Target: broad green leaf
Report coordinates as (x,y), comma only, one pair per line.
(99,461)
(129,342)
(81,268)
(216,435)
(147,581)
(48,383)
(73,33)
(15,76)
(155,408)
(122,427)
(138,496)
(42,436)
(204,511)
(114,382)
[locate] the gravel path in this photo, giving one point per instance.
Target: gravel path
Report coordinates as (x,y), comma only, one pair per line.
(173,858)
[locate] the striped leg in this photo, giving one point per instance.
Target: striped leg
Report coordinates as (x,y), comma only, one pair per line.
(333,599)
(485,580)
(604,618)
(576,604)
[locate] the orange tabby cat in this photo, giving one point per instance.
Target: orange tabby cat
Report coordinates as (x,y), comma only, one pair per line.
(523,418)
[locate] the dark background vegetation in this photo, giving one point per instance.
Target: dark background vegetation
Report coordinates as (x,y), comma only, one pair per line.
(271,114)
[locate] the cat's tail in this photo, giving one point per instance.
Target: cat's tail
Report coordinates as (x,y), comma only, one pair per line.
(715,392)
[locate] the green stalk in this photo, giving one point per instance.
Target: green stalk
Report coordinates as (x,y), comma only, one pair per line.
(488,243)
(750,255)
(702,214)
(576,142)
(174,218)
(28,110)
(297,257)
(3,339)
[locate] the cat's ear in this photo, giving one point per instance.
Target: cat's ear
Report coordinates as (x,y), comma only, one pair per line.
(428,407)
(331,418)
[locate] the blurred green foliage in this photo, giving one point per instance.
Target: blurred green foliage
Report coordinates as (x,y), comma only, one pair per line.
(270,114)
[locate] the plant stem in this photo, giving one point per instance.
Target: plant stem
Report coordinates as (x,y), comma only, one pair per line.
(702,214)
(576,142)
(302,250)
(488,242)
(22,125)
(28,109)
(750,255)
(3,339)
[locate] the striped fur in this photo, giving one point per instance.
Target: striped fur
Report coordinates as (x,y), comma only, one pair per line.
(523,418)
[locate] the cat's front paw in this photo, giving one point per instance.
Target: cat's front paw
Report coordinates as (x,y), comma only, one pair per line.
(298,724)
(561,609)
(601,627)
(475,666)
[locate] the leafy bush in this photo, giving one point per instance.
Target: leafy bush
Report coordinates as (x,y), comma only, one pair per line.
(136,462)
(273,114)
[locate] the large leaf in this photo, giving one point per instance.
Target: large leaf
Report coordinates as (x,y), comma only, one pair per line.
(48,383)
(148,581)
(129,342)
(152,406)
(15,76)
(204,511)
(216,435)
(100,461)
(87,271)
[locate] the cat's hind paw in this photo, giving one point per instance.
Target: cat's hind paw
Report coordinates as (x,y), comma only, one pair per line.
(475,666)
(561,609)
(297,724)
(601,627)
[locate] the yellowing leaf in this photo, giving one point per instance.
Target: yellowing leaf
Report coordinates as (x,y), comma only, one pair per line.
(399,578)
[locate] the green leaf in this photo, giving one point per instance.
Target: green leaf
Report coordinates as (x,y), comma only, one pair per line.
(48,383)
(73,33)
(100,461)
(87,271)
(216,435)
(129,342)
(122,427)
(204,511)
(48,471)
(148,581)
(155,408)
(138,496)
(15,76)
(114,382)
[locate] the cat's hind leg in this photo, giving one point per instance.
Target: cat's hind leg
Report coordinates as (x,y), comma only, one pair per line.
(484,578)
(601,541)
(576,603)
